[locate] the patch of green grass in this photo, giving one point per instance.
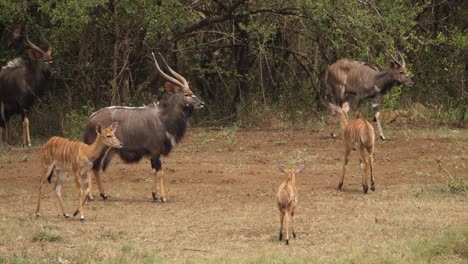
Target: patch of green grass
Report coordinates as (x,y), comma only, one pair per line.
(131,253)
(456,185)
(25,158)
(112,234)
(453,242)
(450,247)
(49,234)
(417,191)
(140,258)
(456,135)
(20,259)
(281,142)
(206,139)
(4,156)
(126,248)
(230,133)
(271,258)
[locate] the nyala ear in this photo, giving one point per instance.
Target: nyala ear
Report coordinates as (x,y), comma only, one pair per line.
(345,107)
(171,88)
(282,167)
(300,168)
(334,108)
(98,128)
(33,54)
(113,127)
(393,64)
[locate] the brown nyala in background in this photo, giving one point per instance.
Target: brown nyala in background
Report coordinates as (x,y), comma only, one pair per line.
(287,199)
(364,81)
(61,155)
(358,134)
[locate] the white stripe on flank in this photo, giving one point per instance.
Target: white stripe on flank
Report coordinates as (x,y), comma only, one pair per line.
(172,138)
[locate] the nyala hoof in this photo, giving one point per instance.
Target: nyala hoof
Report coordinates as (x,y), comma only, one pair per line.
(294,235)
(155,197)
(82,219)
(163,200)
(76,213)
(372,188)
(340,186)
(382,138)
(287,242)
(365,189)
(67,216)
(280,237)
(104,197)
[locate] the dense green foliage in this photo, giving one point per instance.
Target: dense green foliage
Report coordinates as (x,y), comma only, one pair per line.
(249,60)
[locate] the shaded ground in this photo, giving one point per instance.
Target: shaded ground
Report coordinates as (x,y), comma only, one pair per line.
(221,187)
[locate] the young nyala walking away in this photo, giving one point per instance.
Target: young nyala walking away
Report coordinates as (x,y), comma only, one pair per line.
(358,134)
(287,199)
(60,155)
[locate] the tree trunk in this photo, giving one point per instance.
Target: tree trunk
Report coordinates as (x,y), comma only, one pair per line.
(114,82)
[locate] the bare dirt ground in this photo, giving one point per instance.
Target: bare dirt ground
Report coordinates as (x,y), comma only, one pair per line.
(221,188)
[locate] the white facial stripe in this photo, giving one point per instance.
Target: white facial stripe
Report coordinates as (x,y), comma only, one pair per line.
(375,105)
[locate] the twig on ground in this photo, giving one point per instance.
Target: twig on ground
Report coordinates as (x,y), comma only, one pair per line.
(439,162)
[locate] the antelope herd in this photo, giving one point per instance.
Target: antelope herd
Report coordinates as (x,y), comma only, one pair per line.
(153,130)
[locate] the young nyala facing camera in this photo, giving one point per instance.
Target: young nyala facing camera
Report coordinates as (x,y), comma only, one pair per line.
(61,155)
(287,199)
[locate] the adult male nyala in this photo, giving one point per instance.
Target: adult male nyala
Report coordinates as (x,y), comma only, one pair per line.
(148,131)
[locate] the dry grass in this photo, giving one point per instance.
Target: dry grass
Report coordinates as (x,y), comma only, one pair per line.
(222,207)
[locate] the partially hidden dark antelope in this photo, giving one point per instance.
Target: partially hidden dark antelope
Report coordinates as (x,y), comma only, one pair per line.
(287,200)
(21,83)
(364,81)
(61,155)
(148,131)
(358,135)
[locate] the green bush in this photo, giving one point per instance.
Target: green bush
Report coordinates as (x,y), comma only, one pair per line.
(75,121)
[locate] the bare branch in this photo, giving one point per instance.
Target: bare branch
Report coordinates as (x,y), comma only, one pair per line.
(230,14)
(220,3)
